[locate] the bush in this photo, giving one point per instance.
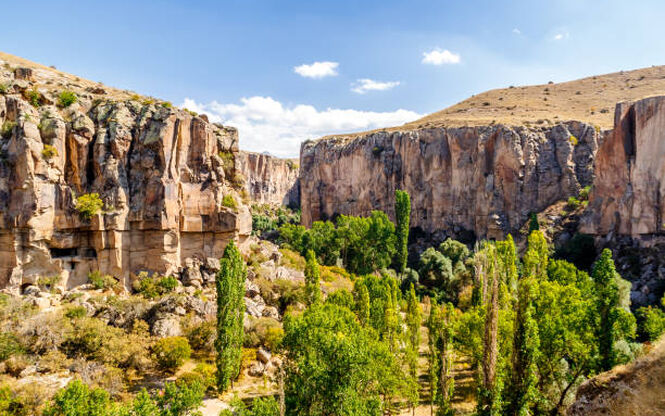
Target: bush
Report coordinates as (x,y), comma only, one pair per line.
(67,98)
(33,96)
(49,152)
(154,286)
(75,312)
(78,399)
(170,353)
(202,336)
(7,129)
(101,282)
(230,202)
(573,140)
(9,345)
(584,193)
(264,331)
(573,203)
(651,323)
(88,205)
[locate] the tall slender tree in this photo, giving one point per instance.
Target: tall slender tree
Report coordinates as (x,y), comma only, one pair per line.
(440,340)
(362,303)
(489,400)
(230,284)
(413,321)
(312,277)
(402,217)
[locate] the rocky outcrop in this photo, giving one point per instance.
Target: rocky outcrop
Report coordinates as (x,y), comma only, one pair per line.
(467,182)
(157,169)
(628,194)
(270,180)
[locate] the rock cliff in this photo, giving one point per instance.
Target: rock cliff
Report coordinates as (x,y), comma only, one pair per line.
(465,182)
(167,180)
(270,180)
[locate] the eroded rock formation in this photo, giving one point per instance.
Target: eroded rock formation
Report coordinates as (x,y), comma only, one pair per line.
(157,170)
(474,182)
(269,180)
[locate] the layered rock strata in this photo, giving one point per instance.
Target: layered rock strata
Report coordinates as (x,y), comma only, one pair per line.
(167,193)
(270,180)
(467,182)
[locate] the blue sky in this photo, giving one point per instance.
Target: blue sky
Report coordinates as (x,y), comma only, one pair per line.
(236,60)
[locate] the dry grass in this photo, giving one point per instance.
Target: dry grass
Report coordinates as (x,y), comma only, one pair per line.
(589,99)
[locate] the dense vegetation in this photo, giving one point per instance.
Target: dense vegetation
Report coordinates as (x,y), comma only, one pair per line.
(530,327)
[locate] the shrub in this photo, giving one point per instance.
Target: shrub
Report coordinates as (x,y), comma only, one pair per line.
(584,193)
(33,96)
(230,202)
(170,353)
(88,205)
(78,399)
(101,282)
(49,152)
(202,336)
(651,323)
(573,203)
(167,104)
(573,140)
(154,286)
(9,345)
(4,88)
(203,373)
(75,312)
(7,129)
(48,282)
(292,259)
(67,98)
(264,331)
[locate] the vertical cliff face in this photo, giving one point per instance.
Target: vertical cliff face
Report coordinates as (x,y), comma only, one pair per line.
(481,182)
(627,196)
(270,180)
(157,170)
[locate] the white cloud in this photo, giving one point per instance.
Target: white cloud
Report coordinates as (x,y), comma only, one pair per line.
(440,57)
(561,35)
(517,31)
(317,69)
(364,85)
(265,124)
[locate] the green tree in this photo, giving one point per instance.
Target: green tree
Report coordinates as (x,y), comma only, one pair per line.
(334,366)
(230,284)
(614,321)
(436,271)
(312,277)
(402,218)
(537,256)
(413,322)
(362,302)
(440,342)
(77,399)
(533,223)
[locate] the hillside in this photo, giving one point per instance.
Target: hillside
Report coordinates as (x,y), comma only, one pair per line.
(590,100)
(633,389)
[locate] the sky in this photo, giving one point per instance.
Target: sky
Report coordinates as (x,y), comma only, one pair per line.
(285,71)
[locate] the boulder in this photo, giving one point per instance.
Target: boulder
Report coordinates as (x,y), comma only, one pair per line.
(263,355)
(167,326)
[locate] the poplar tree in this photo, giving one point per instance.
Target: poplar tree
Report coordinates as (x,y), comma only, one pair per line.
(362,303)
(312,277)
(440,342)
(413,321)
(489,399)
(402,217)
(230,285)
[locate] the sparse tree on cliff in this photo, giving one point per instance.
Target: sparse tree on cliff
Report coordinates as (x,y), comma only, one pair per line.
(230,284)
(312,277)
(402,217)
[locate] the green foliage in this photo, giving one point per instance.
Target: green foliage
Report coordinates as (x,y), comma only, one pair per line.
(77,399)
(651,322)
(334,366)
(166,104)
(33,96)
(172,352)
(436,271)
(573,203)
(537,256)
(614,321)
(154,286)
(402,219)
(579,250)
(4,87)
(67,98)
(49,152)
(230,285)
(9,345)
(440,326)
(75,312)
(261,406)
(229,201)
(573,140)
(7,129)
(89,205)
(341,297)
(312,277)
(533,223)
(100,281)
(584,193)
(266,218)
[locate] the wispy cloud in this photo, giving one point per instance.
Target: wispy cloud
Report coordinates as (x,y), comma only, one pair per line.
(517,31)
(440,57)
(364,85)
(561,35)
(265,124)
(317,69)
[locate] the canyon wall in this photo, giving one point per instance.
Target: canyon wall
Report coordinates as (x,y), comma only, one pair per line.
(269,180)
(467,182)
(168,195)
